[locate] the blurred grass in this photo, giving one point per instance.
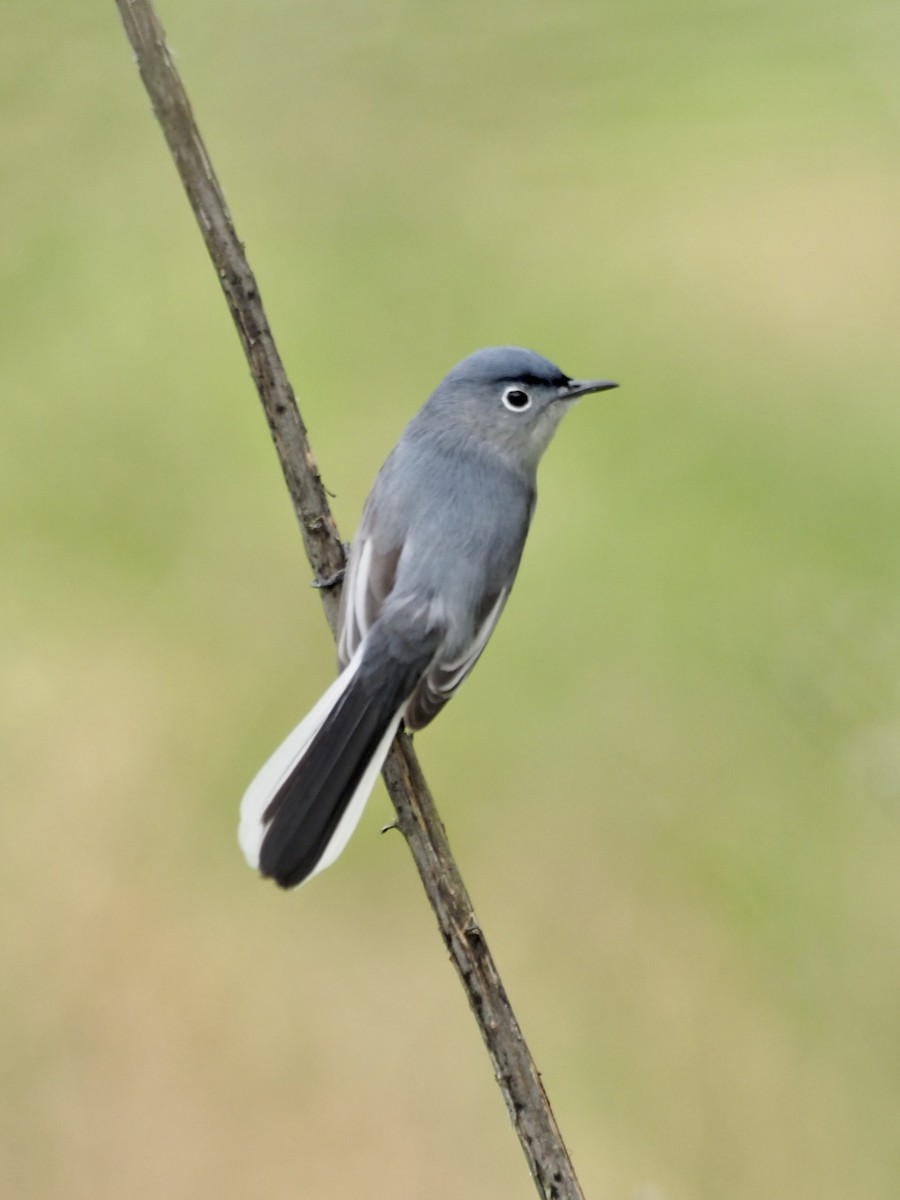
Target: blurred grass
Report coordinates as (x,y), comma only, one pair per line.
(674,781)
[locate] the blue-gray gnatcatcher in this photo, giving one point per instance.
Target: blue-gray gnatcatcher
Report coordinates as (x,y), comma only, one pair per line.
(429,573)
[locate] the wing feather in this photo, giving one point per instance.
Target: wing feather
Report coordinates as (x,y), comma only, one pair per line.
(444,675)
(370,577)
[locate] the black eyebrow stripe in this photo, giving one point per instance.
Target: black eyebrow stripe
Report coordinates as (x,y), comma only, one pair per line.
(535,380)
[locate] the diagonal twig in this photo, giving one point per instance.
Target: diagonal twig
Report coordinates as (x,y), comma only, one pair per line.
(515,1071)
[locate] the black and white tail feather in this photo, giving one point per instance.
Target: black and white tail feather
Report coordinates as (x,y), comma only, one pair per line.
(300,810)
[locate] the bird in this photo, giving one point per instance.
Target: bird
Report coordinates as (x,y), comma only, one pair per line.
(429,572)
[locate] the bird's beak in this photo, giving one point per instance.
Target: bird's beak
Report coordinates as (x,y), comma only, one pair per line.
(583,387)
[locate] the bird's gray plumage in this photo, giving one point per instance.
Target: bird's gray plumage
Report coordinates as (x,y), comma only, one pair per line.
(430,570)
(446,586)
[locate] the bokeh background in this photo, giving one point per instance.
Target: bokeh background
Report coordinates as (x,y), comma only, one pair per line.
(673,783)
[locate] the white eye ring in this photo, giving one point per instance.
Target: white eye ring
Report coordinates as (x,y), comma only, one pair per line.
(516,399)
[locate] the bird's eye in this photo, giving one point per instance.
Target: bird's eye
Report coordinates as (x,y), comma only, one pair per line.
(516,400)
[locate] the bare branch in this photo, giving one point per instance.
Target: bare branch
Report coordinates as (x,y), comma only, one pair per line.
(514,1068)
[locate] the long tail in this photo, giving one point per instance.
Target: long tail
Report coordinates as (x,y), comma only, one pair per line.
(300,810)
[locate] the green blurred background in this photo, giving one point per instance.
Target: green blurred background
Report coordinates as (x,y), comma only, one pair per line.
(673,783)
